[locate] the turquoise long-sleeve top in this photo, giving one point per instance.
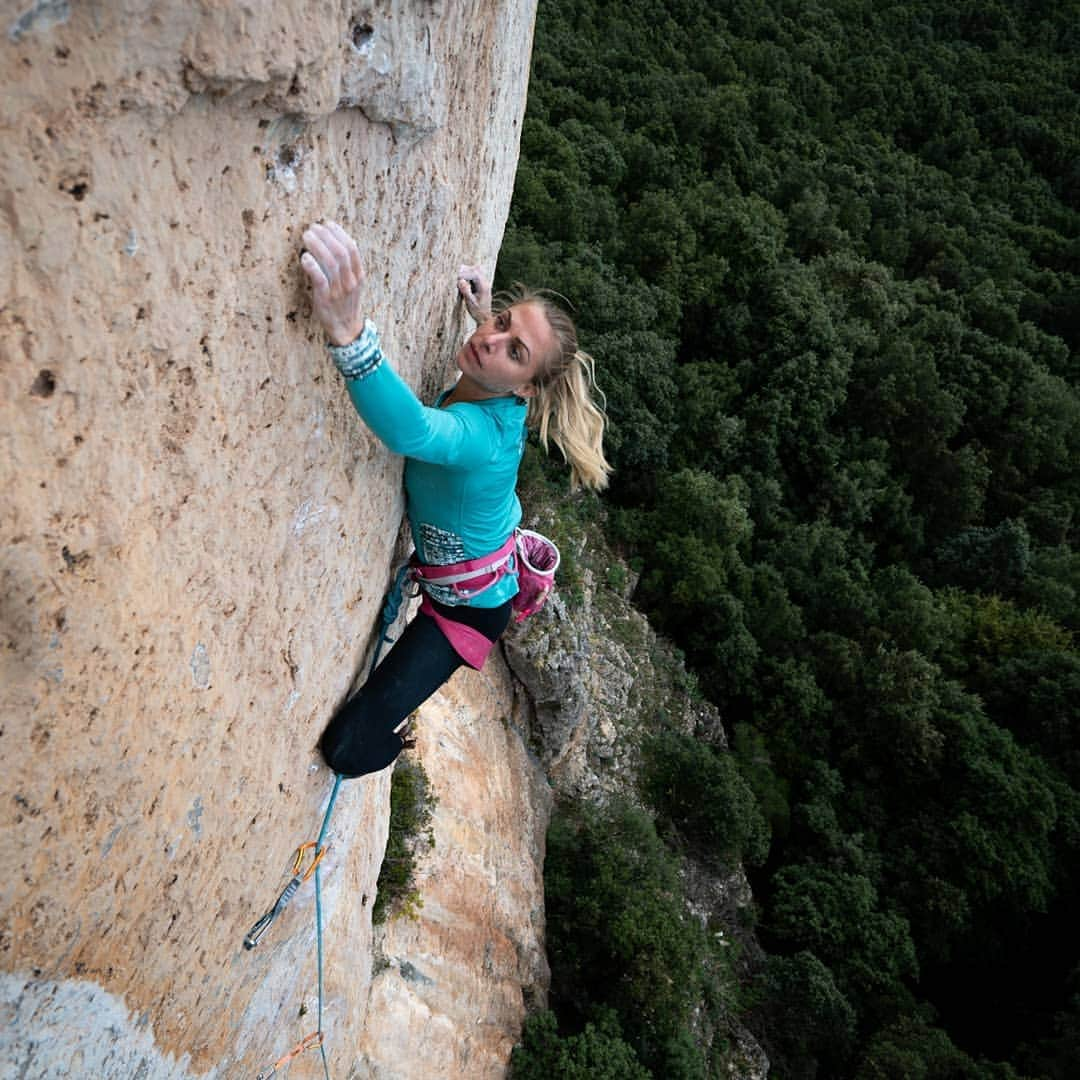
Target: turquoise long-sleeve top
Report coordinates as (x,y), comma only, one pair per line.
(461,468)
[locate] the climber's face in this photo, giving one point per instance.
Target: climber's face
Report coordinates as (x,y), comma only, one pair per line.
(507,353)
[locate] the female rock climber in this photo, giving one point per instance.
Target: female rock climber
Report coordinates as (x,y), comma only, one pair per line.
(521,367)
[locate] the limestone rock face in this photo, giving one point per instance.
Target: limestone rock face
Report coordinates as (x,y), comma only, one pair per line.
(196,529)
(455,978)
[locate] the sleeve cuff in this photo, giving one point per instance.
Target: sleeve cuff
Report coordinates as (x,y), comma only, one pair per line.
(359,358)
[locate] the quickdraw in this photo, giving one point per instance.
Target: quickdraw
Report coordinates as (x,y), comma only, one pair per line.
(254,935)
(308,1042)
(318,849)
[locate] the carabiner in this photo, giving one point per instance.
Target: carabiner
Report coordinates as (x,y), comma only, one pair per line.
(254,935)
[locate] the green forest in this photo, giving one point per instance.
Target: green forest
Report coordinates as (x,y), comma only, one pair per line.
(827,258)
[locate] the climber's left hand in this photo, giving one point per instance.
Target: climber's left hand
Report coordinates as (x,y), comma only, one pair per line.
(475,289)
(332,263)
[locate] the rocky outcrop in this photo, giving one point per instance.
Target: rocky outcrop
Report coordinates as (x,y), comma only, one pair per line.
(597,677)
(578,678)
(196,530)
(598,681)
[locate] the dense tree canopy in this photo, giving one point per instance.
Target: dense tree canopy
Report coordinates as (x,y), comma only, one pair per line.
(827,256)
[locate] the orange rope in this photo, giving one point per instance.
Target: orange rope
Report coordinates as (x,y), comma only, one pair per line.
(308,1042)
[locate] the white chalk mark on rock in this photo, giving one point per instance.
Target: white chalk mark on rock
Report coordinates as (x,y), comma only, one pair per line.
(200,667)
(306,513)
(40,16)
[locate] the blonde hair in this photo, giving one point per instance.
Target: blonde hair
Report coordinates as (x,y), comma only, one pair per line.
(563,407)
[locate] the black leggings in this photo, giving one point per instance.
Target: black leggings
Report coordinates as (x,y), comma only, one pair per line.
(361,738)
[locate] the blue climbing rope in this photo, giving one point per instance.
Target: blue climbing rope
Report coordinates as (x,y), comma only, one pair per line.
(319,920)
(391,610)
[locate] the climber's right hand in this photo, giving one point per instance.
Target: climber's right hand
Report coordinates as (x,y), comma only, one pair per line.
(331,261)
(475,290)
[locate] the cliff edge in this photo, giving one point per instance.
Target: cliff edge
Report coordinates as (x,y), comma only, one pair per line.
(197,532)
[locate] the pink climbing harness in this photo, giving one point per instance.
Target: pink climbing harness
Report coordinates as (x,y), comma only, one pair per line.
(534,558)
(471,577)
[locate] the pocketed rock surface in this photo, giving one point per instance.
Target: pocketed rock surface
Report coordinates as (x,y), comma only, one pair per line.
(454,978)
(196,529)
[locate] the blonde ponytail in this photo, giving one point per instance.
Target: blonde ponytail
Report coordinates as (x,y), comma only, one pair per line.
(563,408)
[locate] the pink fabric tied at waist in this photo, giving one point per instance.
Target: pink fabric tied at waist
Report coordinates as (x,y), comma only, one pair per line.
(468,643)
